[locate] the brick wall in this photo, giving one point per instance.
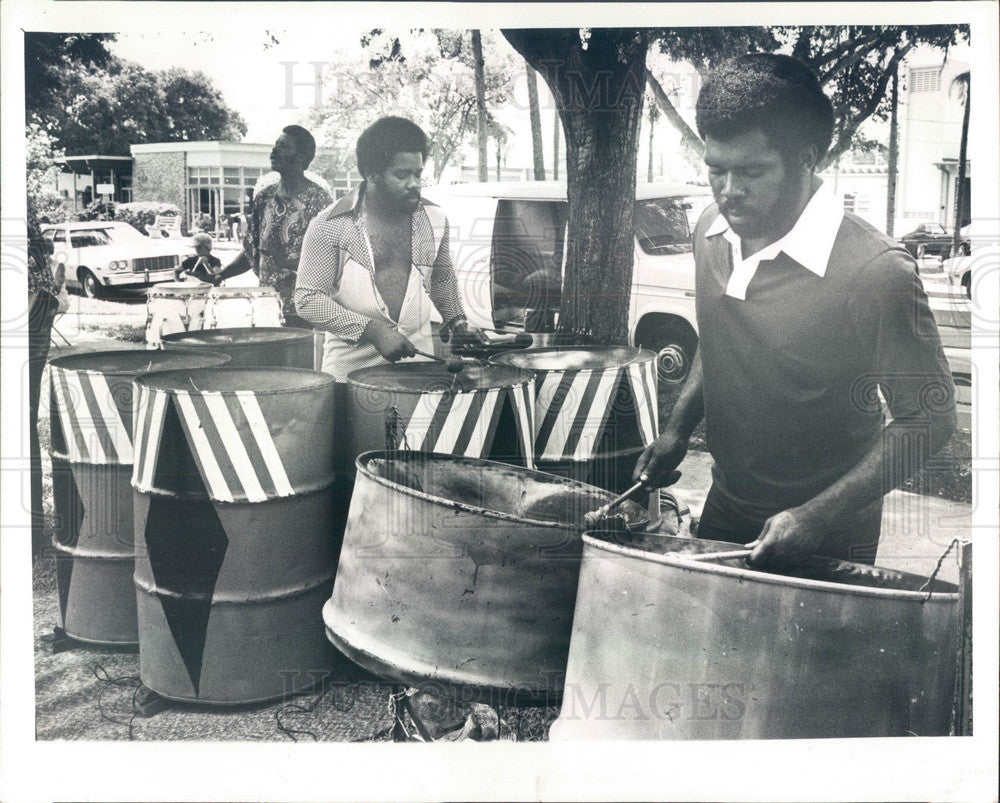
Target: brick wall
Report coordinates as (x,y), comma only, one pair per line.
(160,177)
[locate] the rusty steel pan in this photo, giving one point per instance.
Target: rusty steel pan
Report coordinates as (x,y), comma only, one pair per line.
(236,541)
(483,411)
(595,409)
(91,412)
(460,574)
(666,647)
(278,346)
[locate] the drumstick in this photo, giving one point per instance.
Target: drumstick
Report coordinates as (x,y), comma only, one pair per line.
(733,553)
(430,356)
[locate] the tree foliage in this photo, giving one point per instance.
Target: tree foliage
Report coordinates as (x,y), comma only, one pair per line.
(48,57)
(425,75)
(89,101)
(40,168)
(854,63)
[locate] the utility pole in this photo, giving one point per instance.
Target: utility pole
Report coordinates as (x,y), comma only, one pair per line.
(483,135)
(890,201)
(535,115)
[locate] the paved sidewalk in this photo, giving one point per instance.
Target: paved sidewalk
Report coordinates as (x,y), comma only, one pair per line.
(916,529)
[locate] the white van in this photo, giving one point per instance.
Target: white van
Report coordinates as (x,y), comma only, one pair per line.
(504,232)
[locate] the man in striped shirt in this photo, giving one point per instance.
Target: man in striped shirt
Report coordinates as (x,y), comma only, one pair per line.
(374,262)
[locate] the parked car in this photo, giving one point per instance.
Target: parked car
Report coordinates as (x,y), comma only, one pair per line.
(508,245)
(985,251)
(98,255)
(932,239)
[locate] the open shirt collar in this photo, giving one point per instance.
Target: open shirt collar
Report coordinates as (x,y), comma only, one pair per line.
(810,240)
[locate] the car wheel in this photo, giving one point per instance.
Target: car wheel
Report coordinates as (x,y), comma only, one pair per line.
(674,347)
(91,287)
(967,284)
(921,250)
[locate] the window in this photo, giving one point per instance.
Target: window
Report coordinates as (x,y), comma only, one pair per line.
(925,79)
(86,238)
(527,255)
(661,226)
(855,202)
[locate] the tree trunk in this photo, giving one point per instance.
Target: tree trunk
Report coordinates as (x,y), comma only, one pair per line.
(599,92)
(556,128)
(535,115)
(890,201)
(963,150)
(481,132)
(652,129)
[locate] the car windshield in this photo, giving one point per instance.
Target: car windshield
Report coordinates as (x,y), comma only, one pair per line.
(661,226)
(125,234)
(85,238)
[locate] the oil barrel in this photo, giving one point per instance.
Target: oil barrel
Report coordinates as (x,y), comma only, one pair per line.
(459,575)
(279,346)
(483,411)
(669,646)
(91,413)
(236,544)
(595,409)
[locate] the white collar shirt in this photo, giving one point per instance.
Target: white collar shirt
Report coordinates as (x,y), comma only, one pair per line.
(809,242)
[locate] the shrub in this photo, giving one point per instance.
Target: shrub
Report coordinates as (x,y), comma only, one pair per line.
(143,213)
(97,210)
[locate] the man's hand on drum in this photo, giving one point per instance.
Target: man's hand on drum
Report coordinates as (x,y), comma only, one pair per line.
(659,460)
(465,334)
(387,341)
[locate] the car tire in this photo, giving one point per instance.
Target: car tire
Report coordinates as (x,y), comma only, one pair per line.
(967,284)
(89,285)
(921,250)
(675,347)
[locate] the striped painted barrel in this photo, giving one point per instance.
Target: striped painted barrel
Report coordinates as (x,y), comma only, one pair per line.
(236,543)
(595,410)
(92,452)
(483,411)
(279,346)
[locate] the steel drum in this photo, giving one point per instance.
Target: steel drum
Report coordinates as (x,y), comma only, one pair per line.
(595,410)
(238,307)
(459,574)
(282,346)
(666,647)
(483,411)
(175,307)
(236,549)
(92,451)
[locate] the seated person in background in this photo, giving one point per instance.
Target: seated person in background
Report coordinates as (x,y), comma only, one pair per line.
(203,266)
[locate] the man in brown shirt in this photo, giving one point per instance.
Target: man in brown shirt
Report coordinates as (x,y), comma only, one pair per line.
(806,314)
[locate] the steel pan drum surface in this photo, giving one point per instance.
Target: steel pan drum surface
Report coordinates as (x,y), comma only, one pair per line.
(461,572)
(596,409)
(91,414)
(664,647)
(278,346)
(236,551)
(482,411)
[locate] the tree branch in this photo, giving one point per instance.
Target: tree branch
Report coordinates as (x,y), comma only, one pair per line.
(688,137)
(849,126)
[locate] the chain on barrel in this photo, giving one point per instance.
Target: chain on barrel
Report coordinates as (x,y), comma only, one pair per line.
(235,543)
(669,643)
(481,411)
(91,411)
(252,346)
(460,574)
(595,410)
